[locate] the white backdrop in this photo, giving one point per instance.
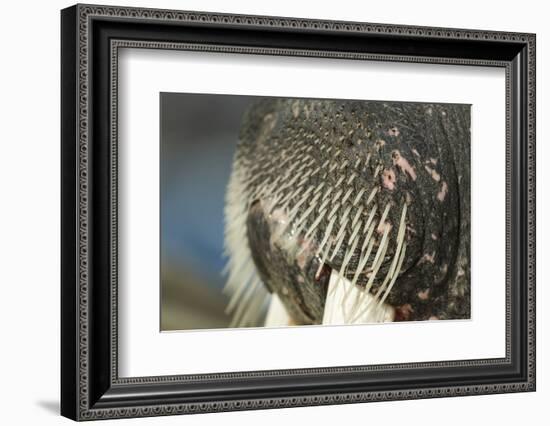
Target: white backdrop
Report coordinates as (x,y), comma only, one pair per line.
(146,352)
(29,225)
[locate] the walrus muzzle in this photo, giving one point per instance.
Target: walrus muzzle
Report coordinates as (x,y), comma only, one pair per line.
(376,192)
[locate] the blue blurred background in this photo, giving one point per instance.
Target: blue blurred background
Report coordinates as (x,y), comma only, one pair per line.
(198,135)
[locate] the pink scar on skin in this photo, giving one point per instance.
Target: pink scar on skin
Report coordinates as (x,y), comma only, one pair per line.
(394,131)
(383,226)
(306,247)
(403,164)
(423,295)
(435,176)
(403,312)
(388,179)
(301,260)
(443,191)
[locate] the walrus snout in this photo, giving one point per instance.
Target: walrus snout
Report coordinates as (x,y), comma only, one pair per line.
(377,192)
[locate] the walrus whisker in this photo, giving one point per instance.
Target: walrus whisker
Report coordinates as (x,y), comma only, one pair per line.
(319,187)
(376,171)
(333,211)
(324,202)
(369,221)
(354,234)
(358,196)
(303,198)
(357,215)
(243,268)
(347,259)
(351,178)
(400,238)
(242,287)
(254,306)
(376,264)
(240,267)
(326,236)
(396,274)
(243,271)
(344,217)
(313,226)
(284,203)
(286,160)
(263,188)
(365,257)
(236,225)
(346,195)
(305,164)
(289,197)
(341,232)
(243,303)
(339,239)
(367,160)
(336,309)
(294,212)
(286,185)
(339,181)
(353,240)
(381,249)
(305,178)
(322,261)
(272,202)
(315,171)
(371,195)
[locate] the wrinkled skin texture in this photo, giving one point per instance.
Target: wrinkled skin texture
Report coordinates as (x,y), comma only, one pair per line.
(410,154)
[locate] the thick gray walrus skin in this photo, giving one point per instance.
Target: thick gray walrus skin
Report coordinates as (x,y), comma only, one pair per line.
(379,191)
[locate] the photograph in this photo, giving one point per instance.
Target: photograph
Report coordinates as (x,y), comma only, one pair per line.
(281,212)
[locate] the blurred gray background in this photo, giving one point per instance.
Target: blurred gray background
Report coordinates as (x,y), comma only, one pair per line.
(198,135)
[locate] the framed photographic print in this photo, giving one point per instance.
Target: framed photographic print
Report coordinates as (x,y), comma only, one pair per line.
(264,212)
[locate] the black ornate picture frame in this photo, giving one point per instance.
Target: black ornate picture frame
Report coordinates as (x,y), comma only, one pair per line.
(91,37)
